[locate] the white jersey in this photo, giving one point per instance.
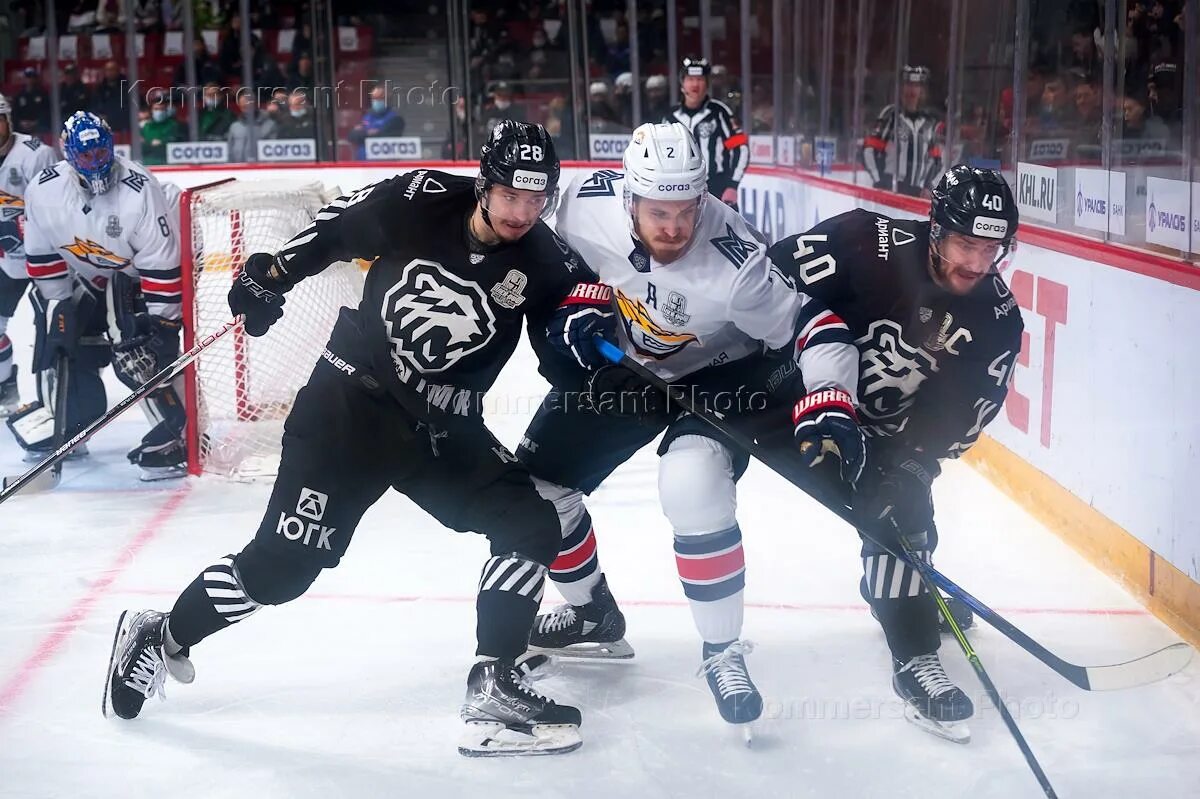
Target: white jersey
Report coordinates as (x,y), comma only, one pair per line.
(26,158)
(718,302)
(69,232)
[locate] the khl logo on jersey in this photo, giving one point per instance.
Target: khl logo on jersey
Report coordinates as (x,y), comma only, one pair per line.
(647,336)
(95,254)
(891,371)
(435,319)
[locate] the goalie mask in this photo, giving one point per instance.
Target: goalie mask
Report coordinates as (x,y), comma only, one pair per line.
(87,143)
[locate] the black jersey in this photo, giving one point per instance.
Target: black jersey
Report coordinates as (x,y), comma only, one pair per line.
(934,367)
(440,315)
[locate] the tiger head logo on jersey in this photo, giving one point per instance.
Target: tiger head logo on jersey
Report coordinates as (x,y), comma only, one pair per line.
(647,336)
(8,201)
(95,254)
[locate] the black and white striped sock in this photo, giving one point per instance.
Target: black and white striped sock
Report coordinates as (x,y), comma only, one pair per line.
(212,602)
(510,590)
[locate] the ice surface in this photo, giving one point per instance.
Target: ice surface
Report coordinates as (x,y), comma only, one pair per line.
(353,690)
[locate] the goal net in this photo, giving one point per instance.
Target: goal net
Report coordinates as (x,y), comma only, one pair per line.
(240,389)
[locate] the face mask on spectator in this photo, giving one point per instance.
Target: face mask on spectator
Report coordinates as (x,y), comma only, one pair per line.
(211,102)
(158,114)
(378,106)
(298,112)
(502,103)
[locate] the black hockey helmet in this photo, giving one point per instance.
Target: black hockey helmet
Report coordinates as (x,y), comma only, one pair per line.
(696,68)
(520,155)
(974,202)
(916,74)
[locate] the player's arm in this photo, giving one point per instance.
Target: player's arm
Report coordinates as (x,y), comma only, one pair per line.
(735,153)
(363,225)
(155,244)
(874,152)
(45,265)
(934,170)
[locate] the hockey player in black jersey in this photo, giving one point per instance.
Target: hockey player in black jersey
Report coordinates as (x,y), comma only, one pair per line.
(938,332)
(395,402)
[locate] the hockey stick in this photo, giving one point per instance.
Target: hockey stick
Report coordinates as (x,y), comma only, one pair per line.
(54,460)
(1149,668)
(985,679)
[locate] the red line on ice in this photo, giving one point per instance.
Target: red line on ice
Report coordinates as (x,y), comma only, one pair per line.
(65,627)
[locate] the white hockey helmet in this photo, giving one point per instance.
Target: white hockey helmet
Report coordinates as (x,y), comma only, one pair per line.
(663,162)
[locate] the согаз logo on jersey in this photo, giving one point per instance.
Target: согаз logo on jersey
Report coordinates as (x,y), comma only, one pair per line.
(435,319)
(95,254)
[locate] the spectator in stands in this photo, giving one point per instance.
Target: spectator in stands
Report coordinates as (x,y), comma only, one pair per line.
(299,122)
(500,107)
(481,44)
(229,51)
(82,18)
(172,13)
(378,120)
(618,53)
(277,108)
(302,44)
(241,149)
(300,75)
(109,98)
(266,69)
(1139,122)
(622,99)
(1163,93)
(1088,113)
(73,94)
(161,129)
(658,100)
(215,117)
(31,105)
(1084,54)
(110,17)
(605,118)
(207,70)
(560,124)
(1053,114)
(146,16)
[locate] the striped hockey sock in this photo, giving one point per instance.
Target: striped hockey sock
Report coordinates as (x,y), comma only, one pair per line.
(510,590)
(712,568)
(576,570)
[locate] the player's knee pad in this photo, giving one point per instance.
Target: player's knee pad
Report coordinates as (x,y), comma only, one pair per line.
(269,578)
(568,503)
(696,486)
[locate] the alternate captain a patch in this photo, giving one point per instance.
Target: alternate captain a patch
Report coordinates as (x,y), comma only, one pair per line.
(648,336)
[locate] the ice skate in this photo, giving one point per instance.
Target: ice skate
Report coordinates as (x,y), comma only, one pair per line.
(505,717)
(737,699)
(138,666)
(595,630)
(932,701)
(10,400)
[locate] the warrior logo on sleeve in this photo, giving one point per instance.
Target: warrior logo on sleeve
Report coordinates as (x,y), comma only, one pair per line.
(435,319)
(648,336)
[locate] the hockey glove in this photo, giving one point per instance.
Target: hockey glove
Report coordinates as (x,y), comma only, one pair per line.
(148,330)
(258,293)
(825,422)
(586,311)
(615,391)
(899,493)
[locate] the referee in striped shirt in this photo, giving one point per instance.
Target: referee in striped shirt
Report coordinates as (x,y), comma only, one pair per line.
(724,144)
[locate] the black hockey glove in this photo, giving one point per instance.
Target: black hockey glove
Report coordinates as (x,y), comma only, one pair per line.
(899,493)
(147,330)
(586,311)
(615,391)
(258,293)
(825,423)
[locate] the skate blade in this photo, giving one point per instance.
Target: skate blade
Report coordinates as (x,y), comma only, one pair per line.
(954,731)
(112,656)
(150,474)
(607,650)
(745,734)
(495,739)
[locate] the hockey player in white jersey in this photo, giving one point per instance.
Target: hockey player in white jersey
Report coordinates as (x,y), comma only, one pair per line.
(697,303)
(102,247)
(22,157)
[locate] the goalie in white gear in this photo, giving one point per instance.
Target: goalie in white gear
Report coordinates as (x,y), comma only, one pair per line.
(698,303)
(102,249)
(22,157)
